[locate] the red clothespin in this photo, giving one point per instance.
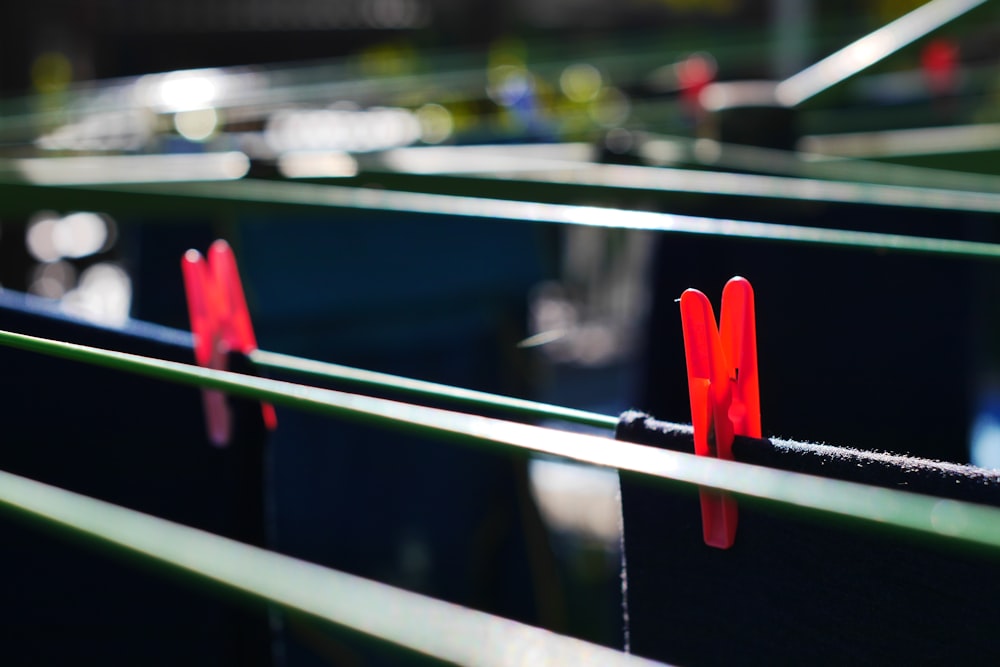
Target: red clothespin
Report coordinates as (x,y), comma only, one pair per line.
(722,381)
(221,324)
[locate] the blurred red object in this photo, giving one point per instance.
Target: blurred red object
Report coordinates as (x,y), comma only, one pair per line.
(939,61)
(694,73)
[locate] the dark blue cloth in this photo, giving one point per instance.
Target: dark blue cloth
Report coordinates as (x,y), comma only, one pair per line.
(135,442)
(439,298)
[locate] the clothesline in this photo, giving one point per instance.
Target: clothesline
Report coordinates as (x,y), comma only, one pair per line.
(465,398)
(965,523)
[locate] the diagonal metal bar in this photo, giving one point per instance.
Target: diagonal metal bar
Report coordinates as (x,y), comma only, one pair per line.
(445,631)
(873,47)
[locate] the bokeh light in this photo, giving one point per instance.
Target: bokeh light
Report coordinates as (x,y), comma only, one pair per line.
(580,82)
(51,72)
(436,124)
(52,280)
(196,124)
(103,295)
(50,237)
(342,129)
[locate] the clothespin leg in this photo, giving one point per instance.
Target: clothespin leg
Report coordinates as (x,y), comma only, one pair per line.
(738,331)
(710,386)
(222,263)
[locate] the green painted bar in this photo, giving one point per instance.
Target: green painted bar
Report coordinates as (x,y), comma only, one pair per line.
(422,624)
(464,398)
(258,195)
(964,523)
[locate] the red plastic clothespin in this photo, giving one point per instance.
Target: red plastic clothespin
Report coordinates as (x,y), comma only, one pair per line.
(722,381)
(221,324)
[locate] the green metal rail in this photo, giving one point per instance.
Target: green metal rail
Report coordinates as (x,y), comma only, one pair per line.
(428,626)
(256,196)
(964,523)
(467,399)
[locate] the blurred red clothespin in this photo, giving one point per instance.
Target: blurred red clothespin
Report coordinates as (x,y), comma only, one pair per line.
(221,324)
(722,381)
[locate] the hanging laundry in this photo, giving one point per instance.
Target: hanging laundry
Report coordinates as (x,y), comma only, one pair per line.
(804,589)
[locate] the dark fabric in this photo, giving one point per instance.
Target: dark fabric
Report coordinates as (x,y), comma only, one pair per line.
(452,522)
(908,473)
(135,442)
(379,291)
(869,349)
(799,589)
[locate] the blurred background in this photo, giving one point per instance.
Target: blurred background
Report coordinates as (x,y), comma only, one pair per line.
(132,131)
